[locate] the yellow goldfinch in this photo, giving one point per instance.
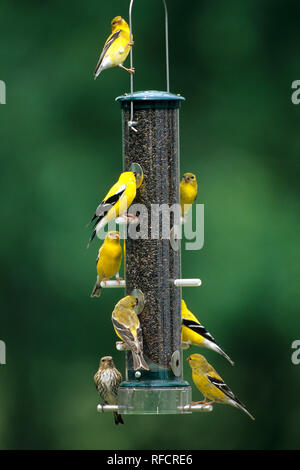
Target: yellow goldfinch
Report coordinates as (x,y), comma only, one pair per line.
(211,385)
(116,48)
(194,333)
(188,192)
(117,200)
(107,380)
(108,261)
(127,326)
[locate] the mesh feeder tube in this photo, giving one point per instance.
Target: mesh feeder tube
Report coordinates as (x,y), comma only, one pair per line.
(153,263)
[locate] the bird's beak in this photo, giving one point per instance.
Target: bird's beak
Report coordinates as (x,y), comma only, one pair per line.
(188,359)
(186,179)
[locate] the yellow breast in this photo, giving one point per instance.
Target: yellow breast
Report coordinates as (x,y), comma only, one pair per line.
(206,388)
(110,260)
(119,50)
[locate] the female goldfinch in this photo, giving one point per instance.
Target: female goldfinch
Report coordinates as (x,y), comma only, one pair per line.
(116,48)
(108,261)
(117,200)
(107,380)
(127,326)
(188,192)
(194,333)
(211,385)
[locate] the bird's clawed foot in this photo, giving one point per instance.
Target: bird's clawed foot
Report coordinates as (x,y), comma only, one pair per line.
(132,217)
(105,279)
(127,70)
(202,402)
(128,218)
(130,43)
(118,278)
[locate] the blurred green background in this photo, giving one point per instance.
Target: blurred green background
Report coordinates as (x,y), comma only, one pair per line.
(60,141)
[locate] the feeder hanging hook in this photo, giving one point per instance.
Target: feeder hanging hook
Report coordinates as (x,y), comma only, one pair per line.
(131,122)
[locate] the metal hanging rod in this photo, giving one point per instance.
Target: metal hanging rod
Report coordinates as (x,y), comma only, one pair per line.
(132,123)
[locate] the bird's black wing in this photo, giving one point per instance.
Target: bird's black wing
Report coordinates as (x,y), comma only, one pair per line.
(108,203)
(105,206)
(223,387)
(107,46)
(197,328)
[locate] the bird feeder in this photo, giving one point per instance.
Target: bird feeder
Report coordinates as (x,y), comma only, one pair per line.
(150,140)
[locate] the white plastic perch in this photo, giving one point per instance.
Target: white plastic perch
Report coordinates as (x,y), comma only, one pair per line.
(177,282)
(185,409)
(111,284)
(187,282)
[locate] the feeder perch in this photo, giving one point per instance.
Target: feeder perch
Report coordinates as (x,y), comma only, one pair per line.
(177,282)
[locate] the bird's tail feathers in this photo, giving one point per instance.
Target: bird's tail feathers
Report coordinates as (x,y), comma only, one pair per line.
(96,292)
(215,347)
(99,224)
(91,238)
(240,405)
(93,218)
(97,72)
(118,418)
(220,351)
(139,361)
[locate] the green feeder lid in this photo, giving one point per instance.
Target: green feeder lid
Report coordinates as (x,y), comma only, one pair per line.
(150,95)
(151,99)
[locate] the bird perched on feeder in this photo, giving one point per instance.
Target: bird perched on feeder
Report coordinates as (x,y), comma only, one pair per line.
(117,200)
(107,380)
(192,332)
(108,261)
(116,48)
(188,189)
(127,326)
(211,385)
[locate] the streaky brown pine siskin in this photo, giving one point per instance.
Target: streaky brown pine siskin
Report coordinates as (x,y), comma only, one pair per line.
(107,380)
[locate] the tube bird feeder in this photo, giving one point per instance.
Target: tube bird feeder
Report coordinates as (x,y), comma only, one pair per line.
(152,264)
(150,141)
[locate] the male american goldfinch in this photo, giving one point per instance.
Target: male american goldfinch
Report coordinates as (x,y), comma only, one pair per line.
(194,333)
(107,380)
(108,261)
(188,192)
(117,200)
(211,385)
(116,48)
(127,326)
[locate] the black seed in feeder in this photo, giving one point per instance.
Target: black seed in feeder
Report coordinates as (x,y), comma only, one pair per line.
(152,264)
